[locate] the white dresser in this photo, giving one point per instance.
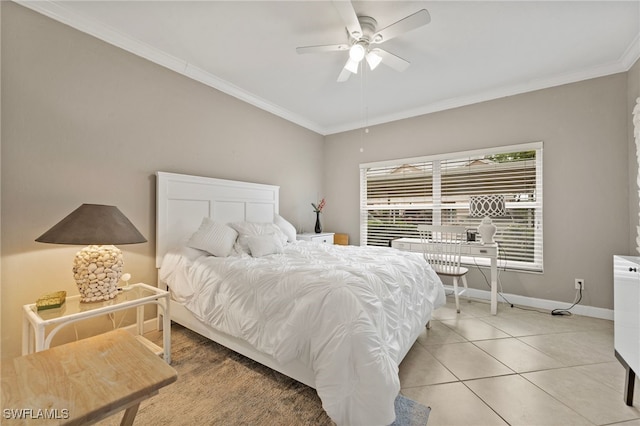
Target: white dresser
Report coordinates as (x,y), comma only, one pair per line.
(626,308)
(323,237)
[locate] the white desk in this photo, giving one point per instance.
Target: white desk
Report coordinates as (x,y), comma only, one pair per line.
(469,249)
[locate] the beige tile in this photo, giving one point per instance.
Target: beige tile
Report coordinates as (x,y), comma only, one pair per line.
(577,348)
(611,374)
(453,404)
(467,361)
(520,402)
(635,422)
(545,345)
(447,312)
(474,329)
(589,323)
(517,355)
(474,308)
(439,334)
(524,323)
(420,368)
(585,395)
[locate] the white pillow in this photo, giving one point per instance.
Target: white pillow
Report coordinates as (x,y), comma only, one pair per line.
(214,238)
(262,245)
(247,229)
(287,229)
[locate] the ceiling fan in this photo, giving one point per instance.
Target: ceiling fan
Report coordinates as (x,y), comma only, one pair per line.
(363,36)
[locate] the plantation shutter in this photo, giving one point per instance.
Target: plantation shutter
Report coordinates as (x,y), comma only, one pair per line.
(396,196)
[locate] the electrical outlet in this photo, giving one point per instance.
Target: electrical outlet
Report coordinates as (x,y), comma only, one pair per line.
(579,284)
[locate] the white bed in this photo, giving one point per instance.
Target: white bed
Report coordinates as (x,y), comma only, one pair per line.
(183,201)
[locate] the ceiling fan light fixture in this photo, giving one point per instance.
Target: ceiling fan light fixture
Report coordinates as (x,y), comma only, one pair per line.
(373,59)
(352,66)
(357,52)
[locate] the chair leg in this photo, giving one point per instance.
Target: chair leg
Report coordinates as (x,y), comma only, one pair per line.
(466,289)
(455,293)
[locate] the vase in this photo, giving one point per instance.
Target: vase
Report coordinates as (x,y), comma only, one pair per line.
(318,227)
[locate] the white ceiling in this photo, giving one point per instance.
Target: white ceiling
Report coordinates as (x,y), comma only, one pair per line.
(470,52)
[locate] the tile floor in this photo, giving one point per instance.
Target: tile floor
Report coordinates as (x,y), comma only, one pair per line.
(519,367)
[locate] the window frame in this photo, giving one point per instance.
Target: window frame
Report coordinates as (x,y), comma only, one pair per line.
(437,207)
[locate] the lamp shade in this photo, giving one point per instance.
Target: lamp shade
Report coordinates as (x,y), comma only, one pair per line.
(93,224)
(491,205)
(373,59)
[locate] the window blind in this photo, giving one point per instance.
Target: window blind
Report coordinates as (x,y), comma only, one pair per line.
(397,195)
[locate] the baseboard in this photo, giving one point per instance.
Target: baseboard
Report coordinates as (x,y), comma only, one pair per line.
(532,302)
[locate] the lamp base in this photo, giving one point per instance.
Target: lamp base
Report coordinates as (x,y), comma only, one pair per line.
(97,271)
(487,230)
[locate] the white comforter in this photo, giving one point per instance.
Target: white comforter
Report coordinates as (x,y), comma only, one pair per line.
(347,312)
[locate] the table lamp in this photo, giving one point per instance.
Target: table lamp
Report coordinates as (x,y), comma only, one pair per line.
(97,268)
(487,206)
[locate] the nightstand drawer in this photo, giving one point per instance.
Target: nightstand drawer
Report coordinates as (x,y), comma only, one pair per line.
(325,237)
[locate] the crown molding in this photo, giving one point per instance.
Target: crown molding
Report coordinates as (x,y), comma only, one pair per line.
(622,65)
(632,54)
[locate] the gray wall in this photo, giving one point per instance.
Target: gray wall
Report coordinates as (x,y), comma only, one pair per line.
(586,213)
(85,122)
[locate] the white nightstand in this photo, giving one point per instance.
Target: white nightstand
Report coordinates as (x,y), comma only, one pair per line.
(41,326)
(323,237)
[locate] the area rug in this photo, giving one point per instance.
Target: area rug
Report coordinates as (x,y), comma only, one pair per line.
(217,386)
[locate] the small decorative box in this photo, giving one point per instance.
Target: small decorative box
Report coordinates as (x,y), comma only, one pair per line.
(51,301)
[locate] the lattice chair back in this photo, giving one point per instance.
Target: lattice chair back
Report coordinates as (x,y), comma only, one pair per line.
(441,248)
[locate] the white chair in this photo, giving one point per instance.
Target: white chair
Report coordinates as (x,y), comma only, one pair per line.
(441,249)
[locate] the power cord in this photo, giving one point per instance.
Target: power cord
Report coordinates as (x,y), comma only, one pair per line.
(559,311)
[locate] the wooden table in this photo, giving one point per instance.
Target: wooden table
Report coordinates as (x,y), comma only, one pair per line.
(82,382)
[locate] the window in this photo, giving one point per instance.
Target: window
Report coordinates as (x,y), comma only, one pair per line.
(397,195)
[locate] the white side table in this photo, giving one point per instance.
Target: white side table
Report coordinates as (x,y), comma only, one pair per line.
(323,237)
(35,323)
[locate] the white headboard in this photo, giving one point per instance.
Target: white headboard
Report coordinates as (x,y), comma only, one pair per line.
(183,200)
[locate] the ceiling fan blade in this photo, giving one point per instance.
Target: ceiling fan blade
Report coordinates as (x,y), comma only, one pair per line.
(391,60)
(348,15)
(344,75)
(323,49)
(404,25)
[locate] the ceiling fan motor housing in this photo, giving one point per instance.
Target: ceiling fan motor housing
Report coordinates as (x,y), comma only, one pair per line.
(368,25)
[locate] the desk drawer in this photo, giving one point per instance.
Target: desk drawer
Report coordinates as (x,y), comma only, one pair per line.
(401,246)
(478,250)
(407,246)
